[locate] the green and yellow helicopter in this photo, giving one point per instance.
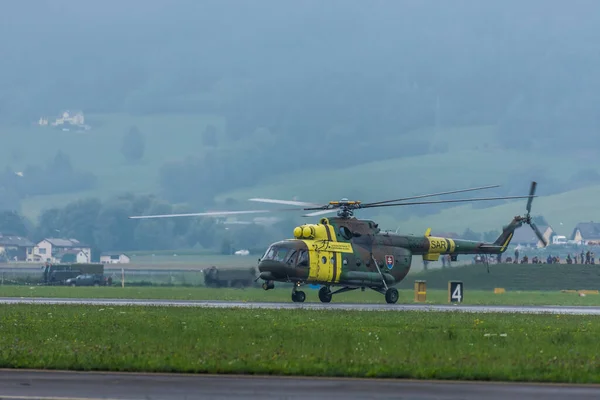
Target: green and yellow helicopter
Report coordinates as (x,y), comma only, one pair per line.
(351,253)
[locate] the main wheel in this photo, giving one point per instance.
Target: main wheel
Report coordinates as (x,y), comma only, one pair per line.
(298,297)
(325,295)
(391,295)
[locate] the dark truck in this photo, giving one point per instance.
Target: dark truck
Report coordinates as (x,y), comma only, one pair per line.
(230,277)
(58,274)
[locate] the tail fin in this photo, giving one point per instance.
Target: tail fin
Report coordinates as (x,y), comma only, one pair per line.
(507,234)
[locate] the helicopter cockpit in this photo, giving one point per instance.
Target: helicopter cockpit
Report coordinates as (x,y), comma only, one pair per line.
(288,254)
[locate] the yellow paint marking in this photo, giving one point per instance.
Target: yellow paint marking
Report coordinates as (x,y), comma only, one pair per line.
(507,241)
(338,263)
(339,247)
(437,245)
(324,245)
(452,245)
(331,233)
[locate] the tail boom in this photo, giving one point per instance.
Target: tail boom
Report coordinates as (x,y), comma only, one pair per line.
(433,247)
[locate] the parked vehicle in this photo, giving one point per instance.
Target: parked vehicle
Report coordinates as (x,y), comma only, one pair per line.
(58,274)
(230,277)
(89,280)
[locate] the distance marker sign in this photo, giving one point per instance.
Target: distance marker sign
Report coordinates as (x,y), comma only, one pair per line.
(455,292)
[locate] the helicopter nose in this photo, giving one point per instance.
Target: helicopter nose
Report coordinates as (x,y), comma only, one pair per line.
(271,270)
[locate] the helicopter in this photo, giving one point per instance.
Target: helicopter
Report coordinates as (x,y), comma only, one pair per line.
(351,253)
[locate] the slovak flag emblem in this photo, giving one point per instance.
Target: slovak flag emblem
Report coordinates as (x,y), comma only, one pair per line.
(389,261)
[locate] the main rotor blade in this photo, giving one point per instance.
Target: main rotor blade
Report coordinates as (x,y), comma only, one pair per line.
(444,201)
(432,194)
(531,193)
(213,213)
(287,202)
(312,214)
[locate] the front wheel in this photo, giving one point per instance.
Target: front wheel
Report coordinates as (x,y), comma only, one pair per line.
(298,297)
(391,295)
(324,295)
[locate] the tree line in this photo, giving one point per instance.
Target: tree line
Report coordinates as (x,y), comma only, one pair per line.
(105,226)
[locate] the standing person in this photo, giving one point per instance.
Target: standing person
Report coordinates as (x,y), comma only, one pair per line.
(516,256)
(587,257)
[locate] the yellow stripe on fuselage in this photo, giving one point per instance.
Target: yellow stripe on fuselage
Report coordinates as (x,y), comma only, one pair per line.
(332,235)
(338,262)
(330,249)
(507,241)
(452,246)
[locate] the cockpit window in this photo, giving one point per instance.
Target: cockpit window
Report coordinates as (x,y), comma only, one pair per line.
(303,259)
(291,259)
(276,253)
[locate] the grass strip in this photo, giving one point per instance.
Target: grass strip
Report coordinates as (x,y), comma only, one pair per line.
(434,296)
(501,347)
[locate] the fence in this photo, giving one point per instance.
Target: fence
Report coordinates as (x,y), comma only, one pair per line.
(33,276)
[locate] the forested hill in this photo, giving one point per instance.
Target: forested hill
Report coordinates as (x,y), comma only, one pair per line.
(198,101)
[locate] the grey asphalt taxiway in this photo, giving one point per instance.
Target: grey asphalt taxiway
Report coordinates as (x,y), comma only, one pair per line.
(51,385)
(573,310)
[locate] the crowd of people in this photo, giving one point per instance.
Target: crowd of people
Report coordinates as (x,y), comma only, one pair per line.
(587,257)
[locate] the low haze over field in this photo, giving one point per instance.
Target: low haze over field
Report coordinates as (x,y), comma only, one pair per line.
(199,105)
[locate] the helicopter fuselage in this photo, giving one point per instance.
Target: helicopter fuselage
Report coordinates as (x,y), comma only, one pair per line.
(354,253)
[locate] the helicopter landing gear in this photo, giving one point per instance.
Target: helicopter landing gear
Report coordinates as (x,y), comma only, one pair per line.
(298,296)
(325,294)
(391,295)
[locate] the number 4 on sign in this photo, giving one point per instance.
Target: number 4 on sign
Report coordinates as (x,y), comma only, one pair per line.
(455,290)
(457,294)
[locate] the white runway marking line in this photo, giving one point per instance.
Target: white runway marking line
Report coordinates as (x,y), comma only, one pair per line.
(583,310)
(8,397)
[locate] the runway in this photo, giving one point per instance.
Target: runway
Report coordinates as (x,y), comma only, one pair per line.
(572,310)
(51,385)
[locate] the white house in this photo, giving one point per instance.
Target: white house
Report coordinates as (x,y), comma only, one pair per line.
(54,250)
(72,256)
(114,258)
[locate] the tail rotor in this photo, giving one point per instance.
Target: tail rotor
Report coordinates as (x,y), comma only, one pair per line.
(527,218)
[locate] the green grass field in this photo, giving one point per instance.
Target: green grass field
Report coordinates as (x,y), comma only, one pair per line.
(497,347)
(169,137)
(174,137)
(283,294)
(474,159)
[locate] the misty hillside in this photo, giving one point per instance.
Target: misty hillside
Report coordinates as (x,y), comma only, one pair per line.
(209,103)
